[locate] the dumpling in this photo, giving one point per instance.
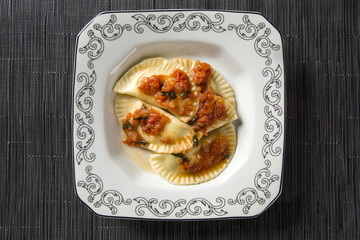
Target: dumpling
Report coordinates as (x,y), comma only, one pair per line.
(200,163)
(216,82)
(151,127)
(161,83)
(213,112)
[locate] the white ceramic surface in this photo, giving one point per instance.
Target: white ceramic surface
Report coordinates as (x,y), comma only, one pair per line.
(244,48)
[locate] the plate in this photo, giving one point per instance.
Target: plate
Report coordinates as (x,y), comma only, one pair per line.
(244,48)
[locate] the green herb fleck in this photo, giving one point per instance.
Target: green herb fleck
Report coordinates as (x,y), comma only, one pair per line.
(170,94)
(142,142)
(182,156)
(225,156)
(143,106)
(142,118)
(195,141)
(192,121)
(185,94)
(127,125)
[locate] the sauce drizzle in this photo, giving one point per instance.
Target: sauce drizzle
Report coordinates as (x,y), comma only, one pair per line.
(170,91)
(150,121)
(209,155)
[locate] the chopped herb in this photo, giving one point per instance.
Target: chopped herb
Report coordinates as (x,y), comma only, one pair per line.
(143,106)
(185,94)
(195,141)
(182,156)
(170,94)
(127,125)
(225,156)
(192,121)
(142,118)
(142,142)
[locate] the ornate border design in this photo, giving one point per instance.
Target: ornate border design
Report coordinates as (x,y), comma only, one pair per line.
(164,23)
(166,207)
(250,31)
(250,196)
(246,197)
(84,103)
(94,48)
(109,28)
(94,185)
(272,97)
(159,24)
(263,179)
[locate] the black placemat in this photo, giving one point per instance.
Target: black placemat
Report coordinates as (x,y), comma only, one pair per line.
(320,197)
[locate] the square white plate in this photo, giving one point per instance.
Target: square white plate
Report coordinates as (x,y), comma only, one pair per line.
(244,48)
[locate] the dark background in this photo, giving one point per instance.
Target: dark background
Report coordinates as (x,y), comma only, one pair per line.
(321,190)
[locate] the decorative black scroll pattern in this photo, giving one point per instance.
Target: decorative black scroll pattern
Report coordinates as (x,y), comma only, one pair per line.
(111,199)
(262,45)
(84,118)
(166,207)
(195,20)
(160,24)
(164,23)
(163,209)
(94,48)
(86,135)
(111,31)
(247,31)
(273,125)
(247,197)
(250,196)
(93,184)
(250,31)
(197,206)
(263,179)
(272,96)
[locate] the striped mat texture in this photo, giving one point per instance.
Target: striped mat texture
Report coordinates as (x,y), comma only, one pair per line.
(321,183)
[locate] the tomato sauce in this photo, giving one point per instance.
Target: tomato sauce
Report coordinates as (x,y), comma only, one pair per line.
(173,91)
(210,110)
(210,154)
(151,85)
(150,120)
(201,73)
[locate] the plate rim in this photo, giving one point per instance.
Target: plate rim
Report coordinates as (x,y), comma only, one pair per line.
(199,217)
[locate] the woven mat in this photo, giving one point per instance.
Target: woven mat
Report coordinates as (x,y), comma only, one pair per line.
(321,190)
